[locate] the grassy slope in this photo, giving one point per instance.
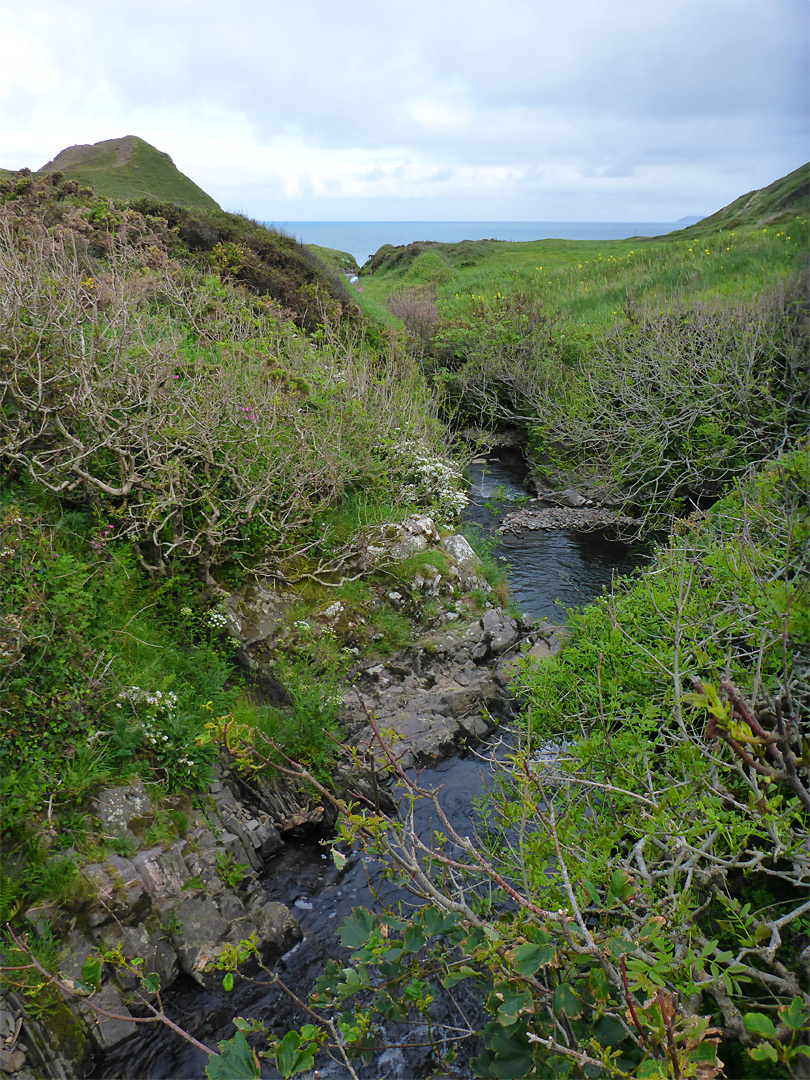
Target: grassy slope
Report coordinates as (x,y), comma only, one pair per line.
(735,252)
(173,298)
(127,169)
(790,195)
(340,261)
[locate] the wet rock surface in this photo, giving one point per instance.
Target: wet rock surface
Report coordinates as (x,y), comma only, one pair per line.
(175,906)
(564,517)
(178,905)
(448,692)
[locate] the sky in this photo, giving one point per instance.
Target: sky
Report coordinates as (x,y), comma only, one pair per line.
(369,110)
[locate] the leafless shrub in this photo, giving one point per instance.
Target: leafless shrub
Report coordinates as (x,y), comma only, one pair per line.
(196,417)
(417,308)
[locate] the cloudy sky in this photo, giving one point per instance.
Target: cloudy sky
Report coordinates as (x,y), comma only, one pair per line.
(423,109)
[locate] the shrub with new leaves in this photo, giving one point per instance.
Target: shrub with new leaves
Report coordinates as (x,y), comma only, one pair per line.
(195,416)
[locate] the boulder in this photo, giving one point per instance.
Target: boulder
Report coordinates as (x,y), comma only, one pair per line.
(200,927)
(110,1031)
(119,808)
(164,873)
(468,563)
(276,927)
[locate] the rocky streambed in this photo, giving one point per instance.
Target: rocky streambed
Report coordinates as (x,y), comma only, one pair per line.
(179,904)
(245,857)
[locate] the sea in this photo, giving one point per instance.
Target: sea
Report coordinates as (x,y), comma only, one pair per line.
(362,239)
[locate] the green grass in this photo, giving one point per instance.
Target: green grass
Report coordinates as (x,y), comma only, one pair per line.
(589,283)
(790,195)
(128,169)
(340,262)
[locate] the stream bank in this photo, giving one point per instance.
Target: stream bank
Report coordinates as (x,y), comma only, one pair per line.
(250,857)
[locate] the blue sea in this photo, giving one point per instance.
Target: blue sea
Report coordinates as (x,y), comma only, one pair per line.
(364,238)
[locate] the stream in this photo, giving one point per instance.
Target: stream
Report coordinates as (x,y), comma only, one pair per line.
(548,572)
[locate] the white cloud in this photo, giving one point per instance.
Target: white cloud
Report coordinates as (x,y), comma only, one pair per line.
(345,109)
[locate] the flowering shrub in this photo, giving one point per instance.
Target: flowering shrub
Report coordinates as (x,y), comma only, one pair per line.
(163,733)
(428,480)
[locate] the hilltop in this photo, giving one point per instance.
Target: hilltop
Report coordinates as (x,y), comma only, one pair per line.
(127,169)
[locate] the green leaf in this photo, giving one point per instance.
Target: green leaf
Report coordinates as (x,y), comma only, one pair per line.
(619,947)
(91,973)
(763,1052)
(243,1024)
(609,1032)
(439,922)
(294,1054)
(759,1024)
(457,976)
(591,890)
(526,959)
(652,1070)
(151,982)
(356,929)
(620,885)
(509,1058)
(235,1061)
(513,1003)
(792,1014)
(565,1000)
(414,939)
(227,981)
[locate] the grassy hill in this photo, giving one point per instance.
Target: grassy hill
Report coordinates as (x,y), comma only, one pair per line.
(737,251)
(785,197)
(127,169)
(607,354)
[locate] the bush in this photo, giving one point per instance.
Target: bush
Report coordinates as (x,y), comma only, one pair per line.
(195,418)
(634,901)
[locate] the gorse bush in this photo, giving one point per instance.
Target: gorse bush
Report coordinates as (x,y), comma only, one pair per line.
(195,417)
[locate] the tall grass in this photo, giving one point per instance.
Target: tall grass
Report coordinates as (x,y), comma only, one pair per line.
(588,283)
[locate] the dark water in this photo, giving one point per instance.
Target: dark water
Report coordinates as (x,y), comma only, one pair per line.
(549,571)
(305,878)
(364,238)
(546,570)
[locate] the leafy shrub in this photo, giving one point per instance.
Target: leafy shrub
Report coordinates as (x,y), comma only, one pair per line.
(634,900)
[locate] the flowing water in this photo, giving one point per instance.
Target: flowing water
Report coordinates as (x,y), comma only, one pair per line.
(549,571)
(546,570)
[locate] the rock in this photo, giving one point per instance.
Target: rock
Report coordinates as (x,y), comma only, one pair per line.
(42,916)
(74,954)
(11,1061)
(277,929)
(468,563)
(200,926)
(415,534)
(570,497)
(549,645)
(504,637)
(158,955)
(391,1065)
(459,702)
(119,808)
(163,872)
(258,610)
(231,907)
(583,518)
(110,1031)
